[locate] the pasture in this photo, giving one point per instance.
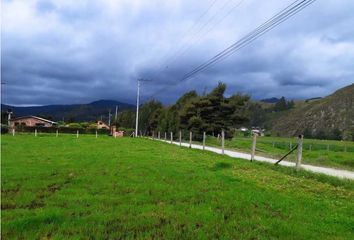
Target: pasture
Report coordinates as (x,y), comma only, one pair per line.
(125,188)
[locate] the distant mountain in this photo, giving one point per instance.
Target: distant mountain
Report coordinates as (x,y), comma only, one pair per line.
(323,116)
(75,112)
(270,100)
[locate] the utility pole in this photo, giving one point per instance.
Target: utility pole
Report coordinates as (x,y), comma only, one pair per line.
(115,116)
(137,105)
(137,109)
(109,117)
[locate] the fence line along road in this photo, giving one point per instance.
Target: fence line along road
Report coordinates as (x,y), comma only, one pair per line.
(323,170)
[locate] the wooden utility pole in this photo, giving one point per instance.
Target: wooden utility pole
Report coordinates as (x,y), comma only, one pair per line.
(203,140)
(222,142)
(254,142)
(299,152)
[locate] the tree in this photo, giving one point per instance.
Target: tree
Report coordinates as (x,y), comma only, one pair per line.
(335,134)
(307,133)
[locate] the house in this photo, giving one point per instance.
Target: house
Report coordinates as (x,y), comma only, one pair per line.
(31,121)
(116,133)
(102,125)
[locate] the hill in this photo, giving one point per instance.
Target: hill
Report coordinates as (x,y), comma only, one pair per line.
(75,112)
(270,100)
(326,116)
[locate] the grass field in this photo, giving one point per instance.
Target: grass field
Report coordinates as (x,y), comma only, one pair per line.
(105,188)
(335,154)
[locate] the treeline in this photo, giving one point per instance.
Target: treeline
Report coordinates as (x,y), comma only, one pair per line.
(212,113)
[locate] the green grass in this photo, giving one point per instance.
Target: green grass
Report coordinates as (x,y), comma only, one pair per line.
(339,154)
(105,188)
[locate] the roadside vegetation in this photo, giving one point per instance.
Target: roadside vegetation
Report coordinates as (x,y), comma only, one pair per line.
(330,153)
(124,188)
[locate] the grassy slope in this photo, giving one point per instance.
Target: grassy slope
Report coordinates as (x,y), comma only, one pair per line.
(106,188)
(340,154)
(332,112)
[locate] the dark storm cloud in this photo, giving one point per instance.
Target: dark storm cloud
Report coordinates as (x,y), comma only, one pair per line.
(79,51)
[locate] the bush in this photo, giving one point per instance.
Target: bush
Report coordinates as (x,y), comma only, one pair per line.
(73,125)
(4,129)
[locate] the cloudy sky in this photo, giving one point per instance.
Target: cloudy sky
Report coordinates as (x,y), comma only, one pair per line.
(64,51)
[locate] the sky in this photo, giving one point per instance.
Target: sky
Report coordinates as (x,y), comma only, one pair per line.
(68,52)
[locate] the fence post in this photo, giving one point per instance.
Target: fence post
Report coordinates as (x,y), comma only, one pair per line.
(158,135)
(190,139)
(171,137)
(345,148)
(153,135)
(310,147)
(299,152)
(254,142)
(203,140)
(77,133)
(327,147)
(13,132)
(96,134)
(35,132)
(290,145)
(165,136)
(57,133)
(273,145)
(222,142)
(180,138)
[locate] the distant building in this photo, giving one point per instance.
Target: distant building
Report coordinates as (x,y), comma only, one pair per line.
(243,129)
(258,131)
(31,121)
(102,125)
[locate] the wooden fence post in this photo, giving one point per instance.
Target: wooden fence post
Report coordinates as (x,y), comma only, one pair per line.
(222,142)
(35,132)
(310,147)
(77,133)
(180,138)
(190,139)
(203,140)
(13,132)
(159,135)
(171,137)
(299,152)
(290,145)
(254,142)
(165,136)
(153,135)
(96,134)
(273,145)
(57,133)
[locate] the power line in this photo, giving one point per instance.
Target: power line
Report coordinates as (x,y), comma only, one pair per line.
(274,21)
(197,39)
(196,23)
